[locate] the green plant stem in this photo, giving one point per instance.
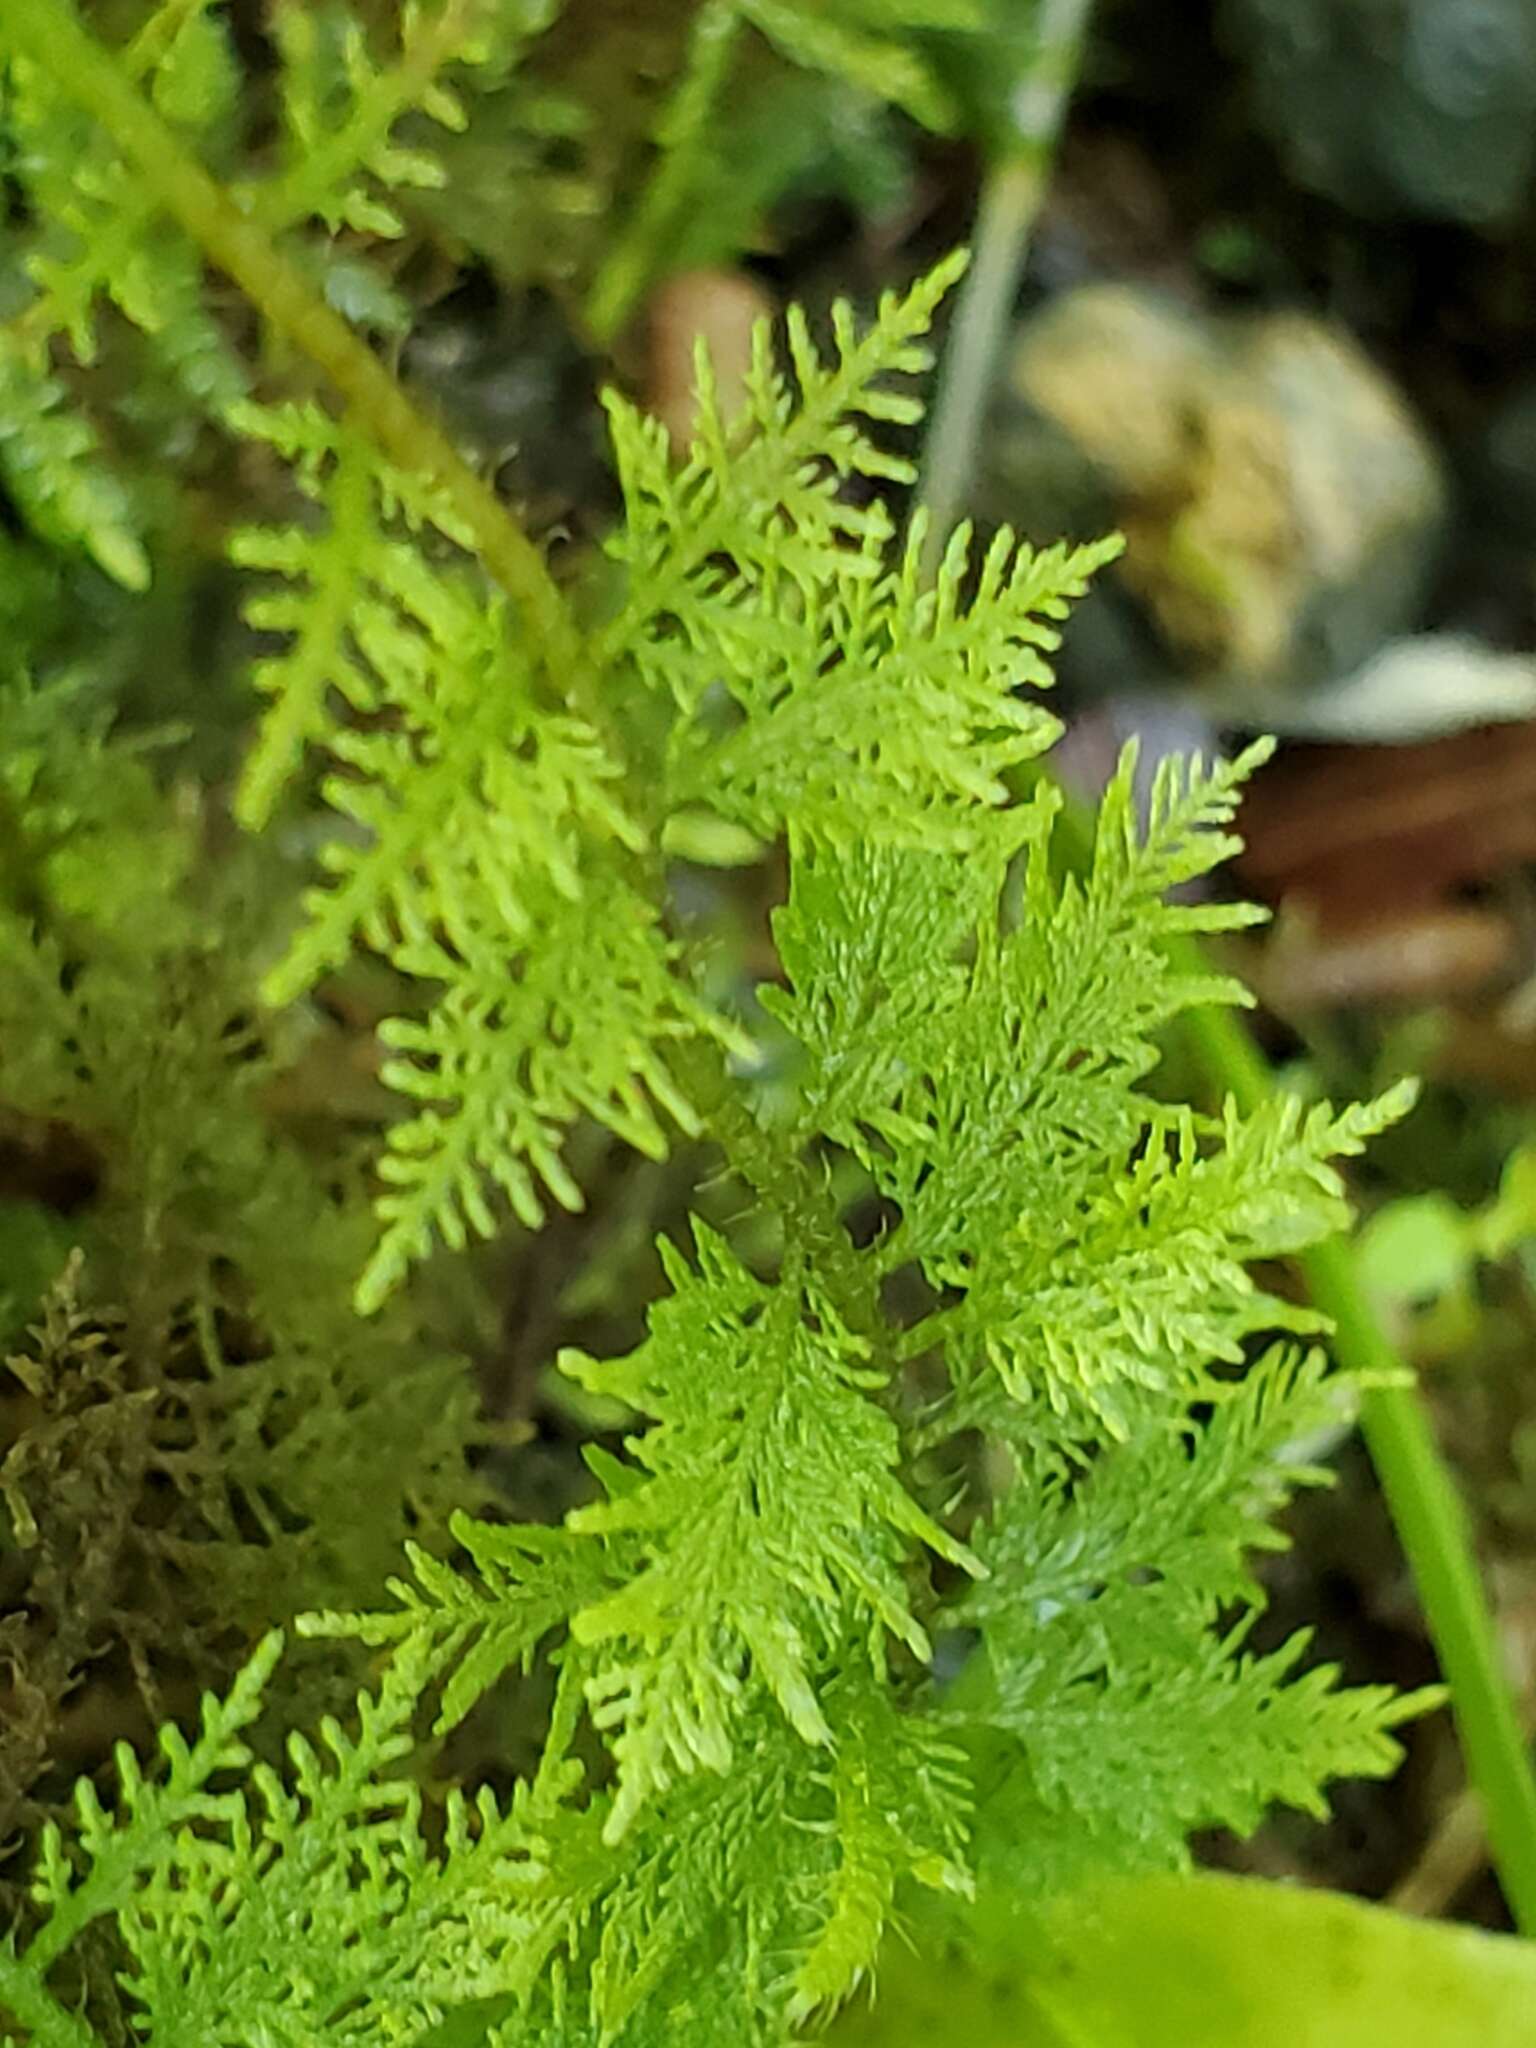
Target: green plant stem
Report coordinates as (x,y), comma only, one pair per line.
(1012,190)
(49,32)
(1426,1509)
(637,253)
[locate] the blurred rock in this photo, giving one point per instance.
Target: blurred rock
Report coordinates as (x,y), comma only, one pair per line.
(721,308)
(1282,507)
(518,393)
(1398,107)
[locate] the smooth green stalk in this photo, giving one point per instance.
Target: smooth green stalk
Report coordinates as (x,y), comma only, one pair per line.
(1427,1510)
(637,254)
(1011,196)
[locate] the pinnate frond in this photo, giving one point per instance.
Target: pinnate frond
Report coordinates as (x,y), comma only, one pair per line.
(765,491)
(857,701)
(302,1904)
(1060,1009)
(770,1525)
(901,1796)
(56,475)
(526,1038)
(470,1628)
(343,162)
(481,852)
(1117,1657)
(112,1855)
(101,236)
(868,43)
(872,707)
(1142,1284)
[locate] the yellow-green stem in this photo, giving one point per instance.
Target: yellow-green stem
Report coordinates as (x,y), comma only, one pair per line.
(1426,1508)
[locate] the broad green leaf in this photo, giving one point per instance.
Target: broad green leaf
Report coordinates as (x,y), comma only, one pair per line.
(1182,1962)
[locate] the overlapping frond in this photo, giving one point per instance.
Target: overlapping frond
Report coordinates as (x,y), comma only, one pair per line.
(742,1627)
(1117,1656)
(809,1858)
(816,678)
(867,706)
(984,1071)
(810,678)
(482,851)
(100,238)
(298,1905)
(771,1525)
(764,492)
(868,43)
(470,1628)
(1144,1282)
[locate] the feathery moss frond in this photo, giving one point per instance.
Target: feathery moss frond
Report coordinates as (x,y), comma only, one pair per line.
(101,236)
(764,490)
(872,707)
(576,1019)
(751,1752)
(54,472)
(341,161)
(1114,1660)
(760,1550)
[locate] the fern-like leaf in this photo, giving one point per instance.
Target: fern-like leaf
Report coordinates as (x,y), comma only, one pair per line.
(868,44)
(984,1071)
(54,471)
(343,161)
(1114,1660)
(770,1524)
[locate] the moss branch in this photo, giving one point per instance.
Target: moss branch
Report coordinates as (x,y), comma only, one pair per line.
(49,32)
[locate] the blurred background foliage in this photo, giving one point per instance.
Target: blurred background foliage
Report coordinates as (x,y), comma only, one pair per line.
(1277,325)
